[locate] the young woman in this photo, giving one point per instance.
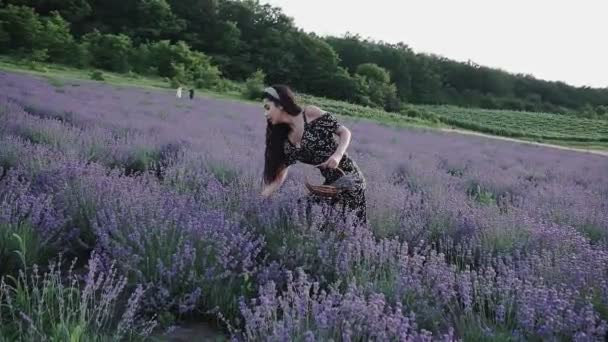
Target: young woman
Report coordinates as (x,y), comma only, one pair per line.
(308,135)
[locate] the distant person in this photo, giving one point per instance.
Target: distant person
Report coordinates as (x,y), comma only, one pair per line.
(178,94)
(191,93)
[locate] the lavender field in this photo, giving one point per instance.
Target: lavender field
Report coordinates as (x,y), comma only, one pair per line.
(153,204)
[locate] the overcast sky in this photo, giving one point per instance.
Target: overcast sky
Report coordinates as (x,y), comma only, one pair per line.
(550,39)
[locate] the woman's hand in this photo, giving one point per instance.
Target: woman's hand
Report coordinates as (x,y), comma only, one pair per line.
(331,163)
(268,189)
(266,192)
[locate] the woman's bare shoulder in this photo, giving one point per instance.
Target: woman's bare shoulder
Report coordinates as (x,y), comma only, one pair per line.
(313,112)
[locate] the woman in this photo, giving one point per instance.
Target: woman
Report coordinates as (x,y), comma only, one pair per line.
(307,135)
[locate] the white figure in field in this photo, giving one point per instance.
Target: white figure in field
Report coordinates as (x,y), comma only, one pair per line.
(179,93)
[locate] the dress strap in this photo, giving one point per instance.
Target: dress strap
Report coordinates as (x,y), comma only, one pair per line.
(304,116)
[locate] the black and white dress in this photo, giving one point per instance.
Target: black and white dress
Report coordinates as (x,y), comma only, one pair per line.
(317,145)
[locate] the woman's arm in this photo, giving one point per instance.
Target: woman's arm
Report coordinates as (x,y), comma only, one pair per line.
(313,113)
(344,134)
(333,161)
(272,187)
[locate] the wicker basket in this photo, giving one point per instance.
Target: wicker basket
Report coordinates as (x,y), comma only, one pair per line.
(344,183)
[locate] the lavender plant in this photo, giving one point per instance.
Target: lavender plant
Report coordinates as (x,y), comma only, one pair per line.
(468,238)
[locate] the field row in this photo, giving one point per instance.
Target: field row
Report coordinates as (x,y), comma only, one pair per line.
(524,124)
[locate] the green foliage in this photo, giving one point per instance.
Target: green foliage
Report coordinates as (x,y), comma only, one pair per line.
(155,20)
(373,73)
(97,75)
(56,38)
(204,75)
(21,27)
(46,38)
(54,306)
(164,56)
(312,64)
(20,246)
(595,233)
(476,329)
(254,85)
(73,10)
(524,124)
(233,39)
(5,37)
(426,80)
(358,111)
(175,82)
(342,86)
(228,86)
(417,112)
(141,159)
(179,62)
(37,57)
(377,86)
(108,51)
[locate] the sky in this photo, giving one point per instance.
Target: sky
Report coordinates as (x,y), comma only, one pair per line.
(553,40)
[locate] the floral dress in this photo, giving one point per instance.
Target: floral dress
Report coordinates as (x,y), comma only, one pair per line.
(317,145)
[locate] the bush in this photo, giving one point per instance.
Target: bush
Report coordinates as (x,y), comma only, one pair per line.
(97,76)
(420,113)
(20,28)
(57,40)
(39,56)
(5,38)
(133,75)
(174,83)
(342,86)
(36,59)
(228,86)
(178,61)
(254,85)
(17,236)
(108,51)
(207,78)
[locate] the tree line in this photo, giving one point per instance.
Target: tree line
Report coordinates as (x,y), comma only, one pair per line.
(207,41)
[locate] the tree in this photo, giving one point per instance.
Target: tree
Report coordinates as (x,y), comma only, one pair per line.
(21,27)
(241,36)
(342,86)
(154,20)
(56,38)
(71,10)
(351,49)
(108,51)
(426,81)
(313,61)
(178,60)
(378,87)
(5,38)
(202,25)
(373,73)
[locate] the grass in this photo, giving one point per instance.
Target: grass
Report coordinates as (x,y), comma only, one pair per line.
(515,124)
(58,306)
(60,76)
(21,237)
(47,307)
(547,128)
(597,145)
(359,112)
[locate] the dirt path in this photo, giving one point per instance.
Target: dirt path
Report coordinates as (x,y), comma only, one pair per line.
(193,331)
(460,131)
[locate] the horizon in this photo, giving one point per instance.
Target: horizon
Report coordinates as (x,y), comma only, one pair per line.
(487,34)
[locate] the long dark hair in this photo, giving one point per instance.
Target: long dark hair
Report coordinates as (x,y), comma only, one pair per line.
(276,135)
